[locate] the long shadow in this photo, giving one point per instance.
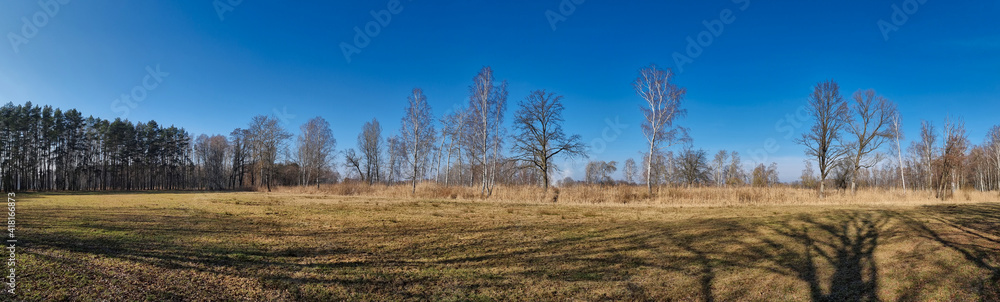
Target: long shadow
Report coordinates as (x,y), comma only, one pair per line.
(154,241)
(832,253)
(690,247)
(973,231)
(846,243)
(803,249)
(101,193)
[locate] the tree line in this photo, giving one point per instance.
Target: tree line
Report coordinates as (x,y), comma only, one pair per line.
(857,141)
(853,142)
(45,148)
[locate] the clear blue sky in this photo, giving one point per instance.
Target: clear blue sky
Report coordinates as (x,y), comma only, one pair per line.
(267,56)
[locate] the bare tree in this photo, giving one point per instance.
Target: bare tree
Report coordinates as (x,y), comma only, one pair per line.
(735,175)
(993,147)
(370,144)
(657,168)
(267,137)
(396,152)
(210,152)
(693,167)
(956,143)
(352,160)
(719,165)
(630,171)
(823,140)
(896,129)
(240,157)
(540,137)
(453,125)
(315,149)
(808,177)
(418,134)
(869,126)
(978,167)
(487,103)
(926,151)
(599,172)
(663,101)
(764,176)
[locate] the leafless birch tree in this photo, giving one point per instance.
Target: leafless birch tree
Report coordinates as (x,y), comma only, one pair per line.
(599,172)
(452,125)
(661,111)
(267,137)
(897,133)
(487,103)
(396,153)
(735,175)
(630,171)
(315,149)
(719,165)
(993,147)
(418,135)
(370,145)
(926,152)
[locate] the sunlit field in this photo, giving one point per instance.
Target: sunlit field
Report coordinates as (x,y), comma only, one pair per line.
(287,246)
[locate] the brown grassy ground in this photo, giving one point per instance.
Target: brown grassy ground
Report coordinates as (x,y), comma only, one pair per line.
(285,246)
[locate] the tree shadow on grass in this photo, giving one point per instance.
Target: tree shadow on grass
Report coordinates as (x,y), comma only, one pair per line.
(973,231)
(806,248)
(167,242)
(102,193)
(162,240)
(831,253)
(844,241)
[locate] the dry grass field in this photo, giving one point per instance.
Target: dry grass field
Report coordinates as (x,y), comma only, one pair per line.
(302,246)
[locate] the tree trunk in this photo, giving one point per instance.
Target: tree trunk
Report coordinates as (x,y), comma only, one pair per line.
(545,176)
(447,167)
(268,181)
(899,152)
(822,187)
(486,153)
(649,170)
(416,159)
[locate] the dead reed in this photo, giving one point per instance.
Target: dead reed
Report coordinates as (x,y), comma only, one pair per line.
(626,194)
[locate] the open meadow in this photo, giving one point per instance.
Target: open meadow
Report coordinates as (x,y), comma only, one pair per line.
(299,246)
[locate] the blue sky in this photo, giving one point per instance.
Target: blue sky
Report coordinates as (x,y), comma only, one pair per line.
(263,57)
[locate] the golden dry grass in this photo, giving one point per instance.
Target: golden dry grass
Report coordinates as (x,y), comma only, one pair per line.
(314,247)
(625,194)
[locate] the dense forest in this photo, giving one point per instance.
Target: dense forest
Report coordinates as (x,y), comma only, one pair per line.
(45,148)
(855,142)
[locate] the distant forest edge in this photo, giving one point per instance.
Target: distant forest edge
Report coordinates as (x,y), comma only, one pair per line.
(854,142)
